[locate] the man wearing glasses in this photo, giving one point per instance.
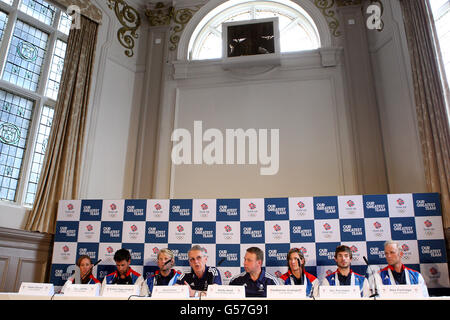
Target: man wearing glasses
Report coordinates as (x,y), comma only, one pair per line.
(201,275)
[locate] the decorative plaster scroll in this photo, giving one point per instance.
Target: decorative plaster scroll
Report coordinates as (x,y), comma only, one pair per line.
(130,20)
(162,14)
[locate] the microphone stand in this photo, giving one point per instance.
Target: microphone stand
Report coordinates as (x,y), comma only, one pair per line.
(374,295)
(311,294)
(90,270)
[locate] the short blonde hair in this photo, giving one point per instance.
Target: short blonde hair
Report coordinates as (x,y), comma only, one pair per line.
(392,242)
(167,252)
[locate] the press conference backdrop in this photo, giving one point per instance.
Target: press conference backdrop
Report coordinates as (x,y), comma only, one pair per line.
(227,227)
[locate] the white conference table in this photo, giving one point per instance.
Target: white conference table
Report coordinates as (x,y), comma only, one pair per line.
(17,296)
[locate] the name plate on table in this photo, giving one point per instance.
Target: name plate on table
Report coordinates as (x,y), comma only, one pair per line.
(339,292)
(83,290)
(121,290)
(174,292)
(401,291)
(37,289)
(226,292)
(286,292)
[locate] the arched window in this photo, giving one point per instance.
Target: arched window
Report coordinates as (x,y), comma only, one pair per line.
(298,31)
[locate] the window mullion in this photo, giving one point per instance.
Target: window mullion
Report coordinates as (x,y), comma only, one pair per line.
(48,57)
(47,63)
(215,31)
(30,150)
(290,25)
(7,36)
(27,161)
(27,157)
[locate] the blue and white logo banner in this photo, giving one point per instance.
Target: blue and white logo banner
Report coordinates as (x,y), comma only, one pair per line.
(157,232)
(158,210)
(69,210)
(227,227)
(91,210)
(427,204)
(302,231)
(204,210)
(276,208)
(301,208)
(66,231)
(228,210)
(326,208)
(180,210)
(351,207)
(113,210)
(135,210)
(375,206)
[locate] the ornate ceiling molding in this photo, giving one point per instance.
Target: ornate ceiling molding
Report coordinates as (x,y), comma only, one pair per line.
(344,3)
(162,14)
(327,7)
(130,20)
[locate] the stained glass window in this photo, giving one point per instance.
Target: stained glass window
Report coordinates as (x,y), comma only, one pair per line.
(56,70)
(39,9)
(64,23)
(29,82)
(40,147)
(25,56)
(10,2)
(3,22)
(15,118)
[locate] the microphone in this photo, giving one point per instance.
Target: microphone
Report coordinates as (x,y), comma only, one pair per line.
(90,269)
(311,294)
(97,263)
(299,263)
(374,279)
(167,262)
(221,261)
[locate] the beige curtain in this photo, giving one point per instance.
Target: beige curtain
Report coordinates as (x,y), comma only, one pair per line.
(60,173)
(430,101)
